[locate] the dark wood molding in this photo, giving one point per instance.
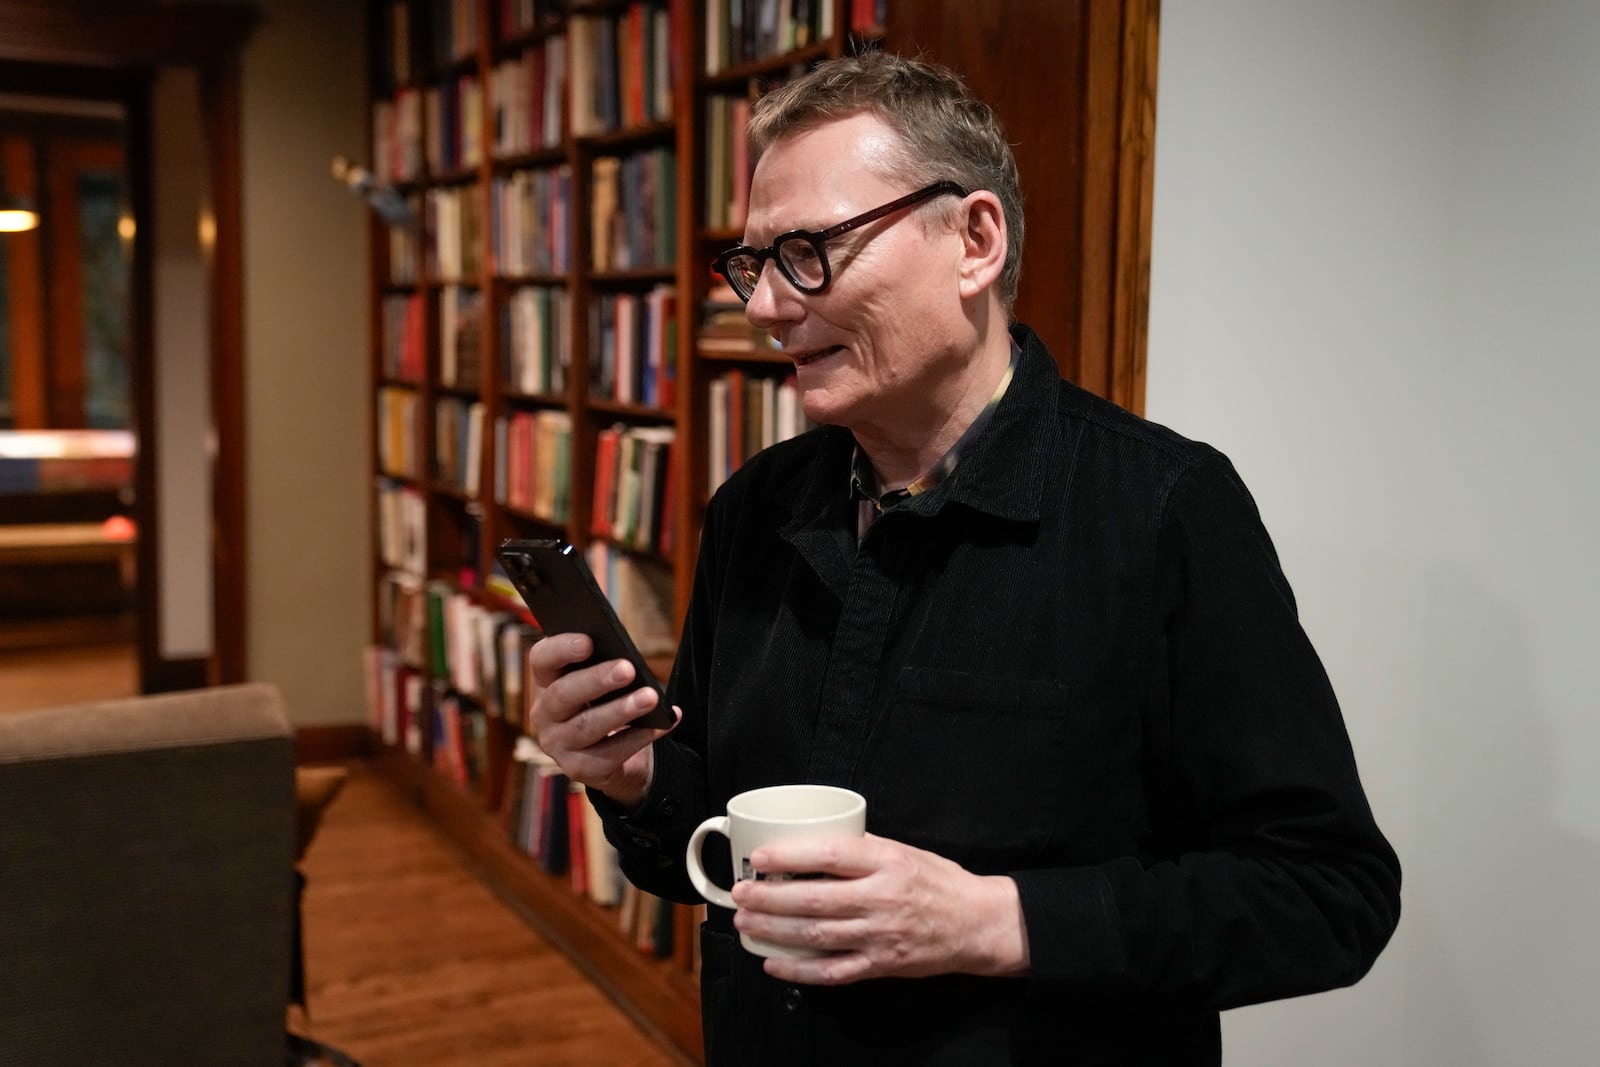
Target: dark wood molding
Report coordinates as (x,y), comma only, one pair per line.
(1118,132)
(161,675)
(124,33)
(1083,140)
(1136,153)
(337,743)
(142,373)
(25,277)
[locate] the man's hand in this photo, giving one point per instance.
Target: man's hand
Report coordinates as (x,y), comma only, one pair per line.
(888,909)
(590,743)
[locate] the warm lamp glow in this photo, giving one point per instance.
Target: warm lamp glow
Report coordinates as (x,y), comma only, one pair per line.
(126,227)
(16,220)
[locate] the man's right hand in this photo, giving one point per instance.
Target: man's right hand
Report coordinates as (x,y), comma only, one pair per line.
(593,745)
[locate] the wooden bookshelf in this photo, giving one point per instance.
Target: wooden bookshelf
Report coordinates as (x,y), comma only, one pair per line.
(501,331)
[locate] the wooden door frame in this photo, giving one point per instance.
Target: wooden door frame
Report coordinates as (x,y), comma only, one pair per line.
(116,48)
(1083,131)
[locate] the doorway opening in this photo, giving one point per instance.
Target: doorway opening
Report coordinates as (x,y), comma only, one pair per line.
(68,504)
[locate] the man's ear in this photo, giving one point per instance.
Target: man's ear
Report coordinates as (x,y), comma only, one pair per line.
(983,243)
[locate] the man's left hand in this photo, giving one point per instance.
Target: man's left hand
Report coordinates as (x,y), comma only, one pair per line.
(885,909)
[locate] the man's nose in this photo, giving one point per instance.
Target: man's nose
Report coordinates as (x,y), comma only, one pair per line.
(774,299)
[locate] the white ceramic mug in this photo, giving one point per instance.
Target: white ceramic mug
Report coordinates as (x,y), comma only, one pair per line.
(778,812)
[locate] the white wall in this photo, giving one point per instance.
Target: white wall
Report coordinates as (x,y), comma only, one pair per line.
(181,433)
(1376,247)
(306,388)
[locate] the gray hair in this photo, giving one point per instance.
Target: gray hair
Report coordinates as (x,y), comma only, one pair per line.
(947,134)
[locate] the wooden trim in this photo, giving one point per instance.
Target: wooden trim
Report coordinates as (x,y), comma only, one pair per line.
(337,743)
(118,33)
(59,224)
(1119,148)
(174,675)
(662,998)
(1102,72)
(1135,199)
(1082,140)
(219,90)
(69,155)
(142,374)
(25,263)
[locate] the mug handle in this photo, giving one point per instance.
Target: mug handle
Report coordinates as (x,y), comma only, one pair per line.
(717,824)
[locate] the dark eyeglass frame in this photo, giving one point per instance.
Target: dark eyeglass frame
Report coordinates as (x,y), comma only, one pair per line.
(817,239)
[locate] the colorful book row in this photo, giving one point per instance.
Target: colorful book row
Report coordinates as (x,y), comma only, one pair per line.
(461,312)
(633,347)
(549,818)
(535,478)
(622,69)
(443,634)
(404,343)
(727,162)
(633,211)
(455,234)
(452,119)
(535,340)
(749,412)
(525,97)
(530,214)
(633,487)
(458,443)
(402,526)
(743,31)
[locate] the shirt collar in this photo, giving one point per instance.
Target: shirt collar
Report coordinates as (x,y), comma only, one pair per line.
(863,480)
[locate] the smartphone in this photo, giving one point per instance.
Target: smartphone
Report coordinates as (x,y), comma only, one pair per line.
(558,587)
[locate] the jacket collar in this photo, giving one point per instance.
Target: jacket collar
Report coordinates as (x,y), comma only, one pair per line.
(1003,475)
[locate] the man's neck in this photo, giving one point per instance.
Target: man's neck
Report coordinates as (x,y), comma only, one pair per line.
(903,452)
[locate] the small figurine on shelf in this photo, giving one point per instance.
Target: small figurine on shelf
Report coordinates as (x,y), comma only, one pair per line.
(384,199)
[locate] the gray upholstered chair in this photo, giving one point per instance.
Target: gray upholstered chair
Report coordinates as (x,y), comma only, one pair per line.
(146,856)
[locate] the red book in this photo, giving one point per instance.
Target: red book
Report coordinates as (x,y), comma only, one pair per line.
(635,60)
(414,339)
(664,536)
(605,475)
(577,853)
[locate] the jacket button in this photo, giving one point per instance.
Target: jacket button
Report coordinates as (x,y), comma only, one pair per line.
(793,999)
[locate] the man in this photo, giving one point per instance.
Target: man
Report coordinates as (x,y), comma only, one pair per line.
(1109,791)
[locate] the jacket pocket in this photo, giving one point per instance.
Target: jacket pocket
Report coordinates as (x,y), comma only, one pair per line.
(973,766)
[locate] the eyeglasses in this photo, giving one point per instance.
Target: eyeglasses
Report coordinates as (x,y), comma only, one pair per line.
(801,254)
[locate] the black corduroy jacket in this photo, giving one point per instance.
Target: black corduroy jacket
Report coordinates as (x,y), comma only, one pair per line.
(1075,662)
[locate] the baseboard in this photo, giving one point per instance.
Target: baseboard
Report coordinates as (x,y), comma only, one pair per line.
(336,743)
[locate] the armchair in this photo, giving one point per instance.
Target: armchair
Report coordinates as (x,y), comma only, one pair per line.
(146,889)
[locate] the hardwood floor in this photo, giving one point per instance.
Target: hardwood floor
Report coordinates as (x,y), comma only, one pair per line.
(412,960)
(51,676)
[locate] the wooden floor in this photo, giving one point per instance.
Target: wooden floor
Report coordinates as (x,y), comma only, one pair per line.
(411,960)
(72,674)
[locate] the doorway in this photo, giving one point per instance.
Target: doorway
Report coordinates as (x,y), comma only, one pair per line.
(175,69)
(69,510)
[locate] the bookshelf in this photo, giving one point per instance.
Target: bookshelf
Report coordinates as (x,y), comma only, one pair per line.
(552,356)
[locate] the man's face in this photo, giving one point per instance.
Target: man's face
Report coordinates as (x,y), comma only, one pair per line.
(878,350)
